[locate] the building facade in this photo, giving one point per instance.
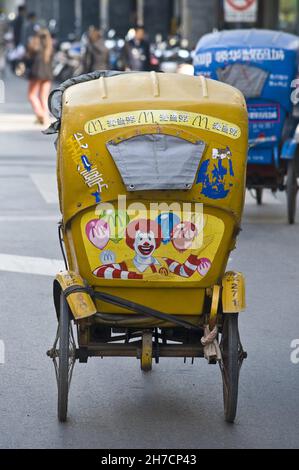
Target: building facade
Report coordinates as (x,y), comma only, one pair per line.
(191,18)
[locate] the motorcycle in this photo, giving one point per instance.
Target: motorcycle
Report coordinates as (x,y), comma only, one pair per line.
(174,56)
(67,61)
(115,46)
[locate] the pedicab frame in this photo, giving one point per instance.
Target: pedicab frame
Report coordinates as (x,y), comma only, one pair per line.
(87,324)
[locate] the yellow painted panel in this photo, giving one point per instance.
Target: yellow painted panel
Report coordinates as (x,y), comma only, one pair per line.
(233,293)
(176,301)
(126,248)
(80,303)
(124,106)
(188,107)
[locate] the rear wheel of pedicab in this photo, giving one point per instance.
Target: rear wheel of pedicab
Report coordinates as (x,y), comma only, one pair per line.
(230,364)
(292,190)
(259,196)
(66,349)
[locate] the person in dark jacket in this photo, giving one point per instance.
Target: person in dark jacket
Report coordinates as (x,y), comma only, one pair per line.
(18,26)
(31,27)
(137,52)
(96,55)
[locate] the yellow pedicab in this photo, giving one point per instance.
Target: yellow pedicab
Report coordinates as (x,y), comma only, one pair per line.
(151,179)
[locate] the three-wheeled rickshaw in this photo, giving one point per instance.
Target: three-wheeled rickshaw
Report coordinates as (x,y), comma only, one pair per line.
(151,178)
(264,66)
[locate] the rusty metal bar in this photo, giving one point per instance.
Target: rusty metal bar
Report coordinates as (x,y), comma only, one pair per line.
(134,350)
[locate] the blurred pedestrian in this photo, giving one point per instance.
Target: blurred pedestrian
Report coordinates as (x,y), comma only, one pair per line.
(40,57)
(96,55)
(18,27)
(3,32)
(31,27)
(137,52)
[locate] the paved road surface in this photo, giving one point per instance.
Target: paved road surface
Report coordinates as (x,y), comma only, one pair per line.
(112,404)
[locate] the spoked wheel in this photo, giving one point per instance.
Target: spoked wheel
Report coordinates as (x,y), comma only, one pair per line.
(292,190)
(64,357)
(230,365)
(259,196)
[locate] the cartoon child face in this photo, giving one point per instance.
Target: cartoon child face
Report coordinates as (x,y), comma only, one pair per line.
(183,235)
(97,232)
(145,243)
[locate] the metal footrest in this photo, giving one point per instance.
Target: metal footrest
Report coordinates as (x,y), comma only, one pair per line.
(134,349)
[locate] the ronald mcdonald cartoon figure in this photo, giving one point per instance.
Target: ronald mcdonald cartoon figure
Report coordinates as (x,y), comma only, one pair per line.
(144,237)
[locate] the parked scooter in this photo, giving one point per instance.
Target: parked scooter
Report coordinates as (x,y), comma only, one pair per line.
(115,46)
(174,56)
(67,61)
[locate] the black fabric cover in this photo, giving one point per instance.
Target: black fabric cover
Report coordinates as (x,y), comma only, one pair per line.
(54,128)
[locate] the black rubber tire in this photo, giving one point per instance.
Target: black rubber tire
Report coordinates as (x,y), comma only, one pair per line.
(259,196)
(63,362)
(292,190)
(230,370)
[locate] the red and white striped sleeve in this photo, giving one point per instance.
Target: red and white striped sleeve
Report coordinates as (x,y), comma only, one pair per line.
(116,271)
(188,268)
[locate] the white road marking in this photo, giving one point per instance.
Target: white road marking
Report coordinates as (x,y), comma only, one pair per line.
(15,122)
(47,186)
(30,265)
(34,162)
